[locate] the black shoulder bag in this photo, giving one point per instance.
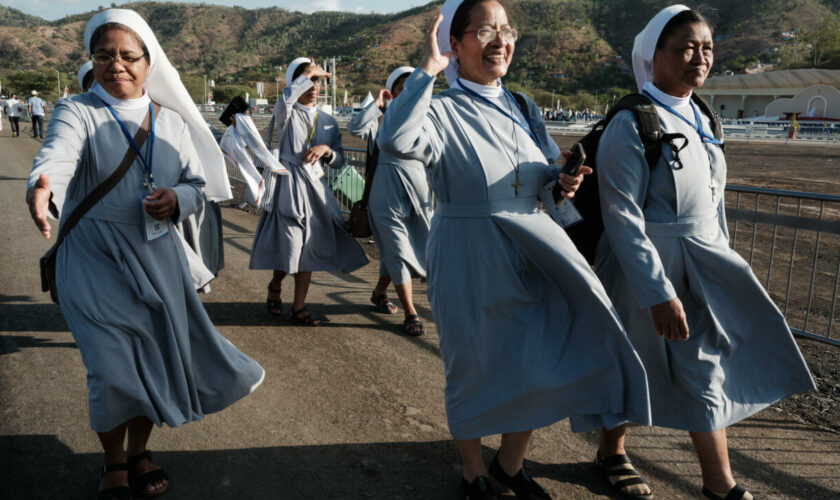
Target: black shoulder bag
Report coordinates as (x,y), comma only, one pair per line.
(48,260)
(358,221)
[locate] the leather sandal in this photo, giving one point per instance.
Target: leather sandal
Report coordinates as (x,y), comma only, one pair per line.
(275,307)
(115,492)
(382,304)
(307,319)
(610,467)
(139,483)
(412,326)
(736,493)
(521,483)
(479,489)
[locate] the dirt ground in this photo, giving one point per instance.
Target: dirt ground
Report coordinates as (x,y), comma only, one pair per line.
(791,167)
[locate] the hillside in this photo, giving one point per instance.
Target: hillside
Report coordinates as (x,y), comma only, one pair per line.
(567,45)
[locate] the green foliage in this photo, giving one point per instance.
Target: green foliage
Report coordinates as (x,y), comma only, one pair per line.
(194,85)
(23,82)
(516,87)
(824,42)
(741,63)
(224,93)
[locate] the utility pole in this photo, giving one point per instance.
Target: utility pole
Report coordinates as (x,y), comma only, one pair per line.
(204,98)
(335,87)
(58,77)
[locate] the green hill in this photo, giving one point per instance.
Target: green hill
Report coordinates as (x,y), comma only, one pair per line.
(567,45)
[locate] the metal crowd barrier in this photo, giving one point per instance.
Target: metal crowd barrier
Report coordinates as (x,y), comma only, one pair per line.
(792,242)
(790,239)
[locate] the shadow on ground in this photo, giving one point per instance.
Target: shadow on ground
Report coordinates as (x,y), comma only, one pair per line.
(42,466)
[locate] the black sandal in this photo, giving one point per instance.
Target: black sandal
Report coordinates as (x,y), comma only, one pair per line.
(412,326)
(140,482)
(115,492)
(521,484)
(382,304)
(632,477)
(307,320)
(736,493)
(275,307)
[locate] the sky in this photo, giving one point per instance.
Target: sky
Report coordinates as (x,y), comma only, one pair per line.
(56,9)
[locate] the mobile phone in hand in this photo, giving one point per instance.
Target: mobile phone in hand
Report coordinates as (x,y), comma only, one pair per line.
(572,166)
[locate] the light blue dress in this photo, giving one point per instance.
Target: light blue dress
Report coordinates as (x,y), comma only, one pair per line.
(304,230)
(665,236)
(527,334)
(144,336)
(399,208)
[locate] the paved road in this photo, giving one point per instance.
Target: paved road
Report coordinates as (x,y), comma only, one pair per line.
(349,410)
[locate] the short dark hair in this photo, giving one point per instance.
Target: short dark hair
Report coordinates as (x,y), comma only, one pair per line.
(100,31)
(461,18)
(683,18)
(299,70)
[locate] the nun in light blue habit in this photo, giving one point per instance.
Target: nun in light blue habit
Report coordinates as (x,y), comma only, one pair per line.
(303,230)
(152,355)
(527,333)
(715,347)
(399,210)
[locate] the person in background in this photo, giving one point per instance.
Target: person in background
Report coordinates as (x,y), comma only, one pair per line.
(715,347)
(304,230)
(14,108)
(399,210)
(36,111)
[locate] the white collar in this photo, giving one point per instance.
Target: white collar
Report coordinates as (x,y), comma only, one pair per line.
(482,90)
(667,99)
(306,109)
(123,104)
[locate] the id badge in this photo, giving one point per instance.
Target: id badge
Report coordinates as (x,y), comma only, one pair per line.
(315,170)
(154,228)
(567,214)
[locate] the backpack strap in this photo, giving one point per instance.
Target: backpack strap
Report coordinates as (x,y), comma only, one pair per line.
(647,119)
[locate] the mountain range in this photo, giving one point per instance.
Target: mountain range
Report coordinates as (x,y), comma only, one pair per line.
(566,45)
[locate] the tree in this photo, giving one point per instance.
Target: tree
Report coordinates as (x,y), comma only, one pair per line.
(23,82)
(824,42)
(223,94)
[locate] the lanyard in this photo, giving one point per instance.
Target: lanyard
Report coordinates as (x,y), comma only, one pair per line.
(697,125)
(145,160)
(529,130)
(311,132)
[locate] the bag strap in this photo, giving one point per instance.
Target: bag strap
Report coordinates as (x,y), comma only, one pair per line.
(108,184)
(370,169)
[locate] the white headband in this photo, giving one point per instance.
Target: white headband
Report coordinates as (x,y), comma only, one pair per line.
(164,86)
(395,75)
(645,44)
(293,66)
(448,12)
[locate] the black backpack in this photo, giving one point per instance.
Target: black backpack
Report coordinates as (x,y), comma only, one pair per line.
(587,233)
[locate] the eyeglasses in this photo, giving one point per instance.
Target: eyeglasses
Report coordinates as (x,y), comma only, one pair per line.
(487,34)
(102,58)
